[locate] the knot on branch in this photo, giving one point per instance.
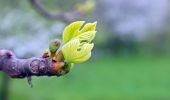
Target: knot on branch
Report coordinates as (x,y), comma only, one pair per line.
(38,66)
(5,55)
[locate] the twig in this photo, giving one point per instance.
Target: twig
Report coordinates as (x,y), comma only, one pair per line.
(36,66)
(67,16)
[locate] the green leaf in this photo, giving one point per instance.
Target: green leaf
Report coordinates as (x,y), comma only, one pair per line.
(77,40)
(72,31)
(73,53)
(87,37)
(89,27)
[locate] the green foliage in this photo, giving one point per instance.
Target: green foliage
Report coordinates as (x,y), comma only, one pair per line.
(74,30)
(78,41)
(73,53)
(77,46)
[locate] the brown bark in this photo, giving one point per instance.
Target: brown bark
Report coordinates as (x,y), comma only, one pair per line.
(35,66)
(65,16)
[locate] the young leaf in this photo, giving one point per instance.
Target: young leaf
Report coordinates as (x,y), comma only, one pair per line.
(87,36)
(89,27)
(73,53)
(72,31)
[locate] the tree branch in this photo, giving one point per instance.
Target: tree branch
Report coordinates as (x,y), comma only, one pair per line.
(67,16)
(36,66)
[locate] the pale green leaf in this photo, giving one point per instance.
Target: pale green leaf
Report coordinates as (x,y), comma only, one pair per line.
(72,30)
(89,27)
(83,59)
(87,37)
(73,53)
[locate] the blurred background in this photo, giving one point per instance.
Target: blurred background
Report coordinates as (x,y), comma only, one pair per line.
(131,59)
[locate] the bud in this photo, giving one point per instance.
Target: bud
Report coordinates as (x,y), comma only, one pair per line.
(46,54)
(59,57)
(54,45)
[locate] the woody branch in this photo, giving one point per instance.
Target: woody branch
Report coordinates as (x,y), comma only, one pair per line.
(65,16)
(21,68)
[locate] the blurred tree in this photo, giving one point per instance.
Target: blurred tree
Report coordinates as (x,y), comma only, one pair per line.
(130,22)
